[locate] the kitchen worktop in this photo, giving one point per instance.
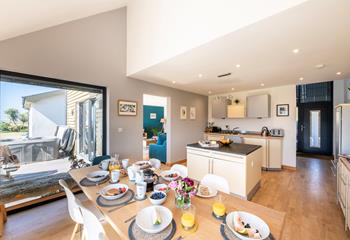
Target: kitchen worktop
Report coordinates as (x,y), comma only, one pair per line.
(246,135)
(233,148)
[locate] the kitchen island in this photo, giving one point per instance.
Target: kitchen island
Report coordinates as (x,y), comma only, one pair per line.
(239,164)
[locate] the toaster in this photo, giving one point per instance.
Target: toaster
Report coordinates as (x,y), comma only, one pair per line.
(277,132)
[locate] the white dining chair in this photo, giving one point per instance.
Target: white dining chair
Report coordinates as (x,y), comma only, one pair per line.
(181,169)
(94,229)
(217,182)
(155,163)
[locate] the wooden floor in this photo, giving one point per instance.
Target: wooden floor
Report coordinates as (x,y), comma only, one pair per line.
(307,195)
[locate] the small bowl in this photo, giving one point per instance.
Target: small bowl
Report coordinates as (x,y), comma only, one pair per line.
(158,201)
(97,176)
(162,187)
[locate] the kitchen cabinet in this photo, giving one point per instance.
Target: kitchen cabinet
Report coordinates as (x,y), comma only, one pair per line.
(275,153)
(263,142)
(243,172)
(219,108)
(236,111)
(258,106)
(343,188)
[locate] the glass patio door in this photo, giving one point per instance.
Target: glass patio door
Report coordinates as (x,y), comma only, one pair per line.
(87,129)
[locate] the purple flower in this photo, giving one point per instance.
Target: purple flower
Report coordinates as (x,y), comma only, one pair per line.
(173,185)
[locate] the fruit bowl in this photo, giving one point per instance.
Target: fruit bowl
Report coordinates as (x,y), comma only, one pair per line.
(157,198)
(225,142)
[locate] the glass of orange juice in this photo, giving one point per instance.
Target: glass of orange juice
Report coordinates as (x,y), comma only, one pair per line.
(188,218)
(218,207)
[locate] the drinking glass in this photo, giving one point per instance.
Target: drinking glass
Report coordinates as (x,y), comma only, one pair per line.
(141,188)
(188,218)
(218,207)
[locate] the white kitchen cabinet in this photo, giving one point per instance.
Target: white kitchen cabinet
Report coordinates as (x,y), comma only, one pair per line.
(275,154)
(243,172)
(343,190)
(258,106)
(263,143)
(236,111)
(219,108)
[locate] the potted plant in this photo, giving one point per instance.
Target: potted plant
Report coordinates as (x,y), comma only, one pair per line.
(184,190)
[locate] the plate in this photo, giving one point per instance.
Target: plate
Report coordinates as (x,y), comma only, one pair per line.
(118,185)
(254,222)
(144,217)
(212,192)
(143,164)
(165,173)
(97,176)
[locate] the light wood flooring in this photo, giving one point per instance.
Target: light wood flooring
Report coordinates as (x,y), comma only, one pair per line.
(307,195)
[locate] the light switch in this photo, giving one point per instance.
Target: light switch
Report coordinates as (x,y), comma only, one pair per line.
(120,130)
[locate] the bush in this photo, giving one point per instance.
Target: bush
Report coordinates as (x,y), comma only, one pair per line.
(4,126)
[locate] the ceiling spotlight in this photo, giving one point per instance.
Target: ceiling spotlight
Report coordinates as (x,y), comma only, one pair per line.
(200,75)
(296,50)
(338,73)
(301,79)
(233,89)
(209,92)
(262,84)
(238,66)
(174,82)
(320,66)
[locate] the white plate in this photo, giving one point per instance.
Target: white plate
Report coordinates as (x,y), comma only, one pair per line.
(212,192)
(144,219)
(254,222)
(164,173)
(142,164)
(118,185)
(92,176)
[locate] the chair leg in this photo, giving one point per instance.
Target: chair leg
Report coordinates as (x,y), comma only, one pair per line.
(74,231)
(3,218)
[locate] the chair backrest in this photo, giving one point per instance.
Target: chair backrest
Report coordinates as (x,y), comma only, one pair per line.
(93,228)
(217,182)
(99,159)
(181,169)
(235,139)
(155,163)
(73,208)
(161,138)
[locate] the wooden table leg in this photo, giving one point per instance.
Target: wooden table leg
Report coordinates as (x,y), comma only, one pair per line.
(3,218)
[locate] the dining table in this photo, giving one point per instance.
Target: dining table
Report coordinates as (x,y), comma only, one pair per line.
(208,226)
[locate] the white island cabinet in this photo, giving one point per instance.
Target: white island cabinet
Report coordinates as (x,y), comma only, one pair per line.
(239,164)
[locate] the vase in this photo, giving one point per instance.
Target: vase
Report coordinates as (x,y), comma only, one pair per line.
(182,201)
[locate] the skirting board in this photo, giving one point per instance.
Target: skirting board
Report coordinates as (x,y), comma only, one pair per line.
(250,194)
(176,162)
(289,167)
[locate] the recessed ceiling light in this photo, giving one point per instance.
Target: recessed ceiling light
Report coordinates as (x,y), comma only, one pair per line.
(301,78)
(338,73)
(200,75)
(233,89)
(209,92)
(174,82)
(296,50)
(320,66)
(262,84)
(238,66)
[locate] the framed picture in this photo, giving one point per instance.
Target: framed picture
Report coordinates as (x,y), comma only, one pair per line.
(282,110)
(192,113)
(183,112)
(153,116)
(127,108)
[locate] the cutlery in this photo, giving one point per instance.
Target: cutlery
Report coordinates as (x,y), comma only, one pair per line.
(129,219)
(125,204)
(180,238)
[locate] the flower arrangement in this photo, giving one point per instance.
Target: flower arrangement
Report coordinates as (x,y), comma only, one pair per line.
(184,190)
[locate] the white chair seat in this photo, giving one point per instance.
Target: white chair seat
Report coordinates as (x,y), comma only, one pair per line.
(181,169)
(217,182)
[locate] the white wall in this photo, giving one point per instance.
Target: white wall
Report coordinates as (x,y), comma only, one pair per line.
(279,95)
(93,50)
(160,29)
(46,114)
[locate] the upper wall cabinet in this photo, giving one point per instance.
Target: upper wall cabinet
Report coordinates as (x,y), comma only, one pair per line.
(219,108)
(236,111)
(258,106)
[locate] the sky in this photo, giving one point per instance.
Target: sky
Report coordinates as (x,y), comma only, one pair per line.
(11,95)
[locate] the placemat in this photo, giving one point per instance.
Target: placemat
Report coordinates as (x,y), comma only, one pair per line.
(227,234)
(112,203)
(135,232)
(87,183)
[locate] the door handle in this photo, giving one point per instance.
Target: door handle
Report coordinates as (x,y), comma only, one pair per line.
(302,127)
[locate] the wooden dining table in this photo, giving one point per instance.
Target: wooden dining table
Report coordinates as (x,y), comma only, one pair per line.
(208,226)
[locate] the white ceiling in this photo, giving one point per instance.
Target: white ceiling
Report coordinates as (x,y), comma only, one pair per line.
(320,29)
(18,17)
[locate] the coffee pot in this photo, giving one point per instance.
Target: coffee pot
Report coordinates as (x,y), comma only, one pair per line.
(150,178)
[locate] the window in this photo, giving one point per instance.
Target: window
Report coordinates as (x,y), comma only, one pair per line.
(315,128)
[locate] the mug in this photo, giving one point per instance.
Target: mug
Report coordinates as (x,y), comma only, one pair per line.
(139,176)
(125,163)
(105,164)
(115,174)
(141,190)
(131,173)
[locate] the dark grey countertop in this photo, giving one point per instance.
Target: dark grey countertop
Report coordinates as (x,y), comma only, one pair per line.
(234,148)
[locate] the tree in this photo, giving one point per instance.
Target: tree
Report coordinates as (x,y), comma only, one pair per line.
(13,115)
(23,117)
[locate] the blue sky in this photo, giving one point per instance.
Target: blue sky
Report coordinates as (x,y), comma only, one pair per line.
(11,95)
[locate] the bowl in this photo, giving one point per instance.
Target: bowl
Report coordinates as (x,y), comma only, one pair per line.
(226,143)
(113,197)
(166,177)
(159,201)
(97,176)
(162,187)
